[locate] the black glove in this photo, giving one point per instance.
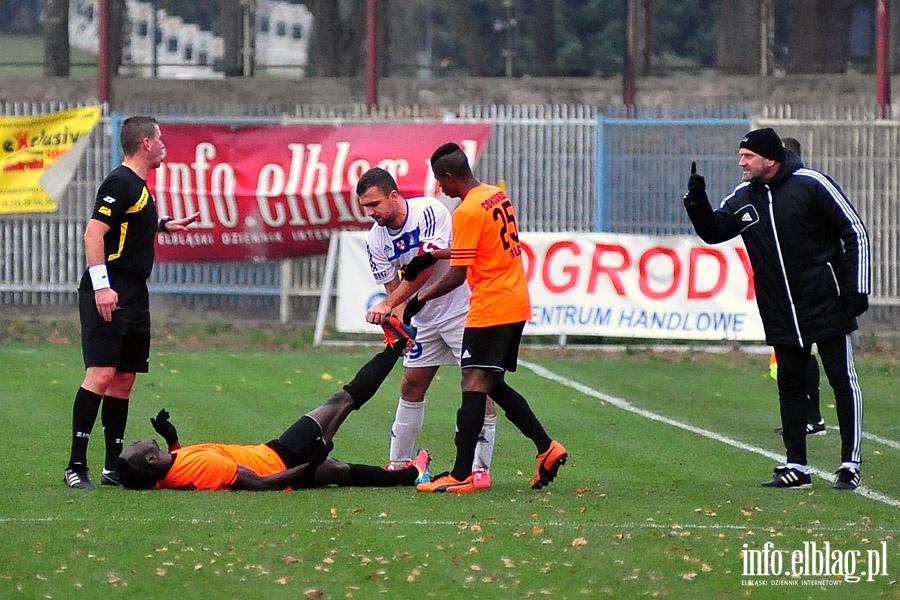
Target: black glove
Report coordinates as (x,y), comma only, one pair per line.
(413,306)
(696,193)
(417,265)
(857,302)
(164,428)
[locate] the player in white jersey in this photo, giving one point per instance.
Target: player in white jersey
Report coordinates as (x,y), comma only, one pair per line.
(403,229)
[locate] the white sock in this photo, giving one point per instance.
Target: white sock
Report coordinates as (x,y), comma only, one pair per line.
(484,450)
(799,467)
(405,430)
(850,465)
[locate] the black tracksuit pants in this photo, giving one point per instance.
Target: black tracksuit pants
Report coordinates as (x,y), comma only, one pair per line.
(836,355)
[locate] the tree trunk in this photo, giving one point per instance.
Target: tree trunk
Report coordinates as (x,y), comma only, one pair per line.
(739,36)
(232,36)
(459,13)
(402,31)
(544,32)
(118,23)
(56,38)
(339,37)
(819,41)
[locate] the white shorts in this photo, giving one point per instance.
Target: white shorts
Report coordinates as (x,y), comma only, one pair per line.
(437,345)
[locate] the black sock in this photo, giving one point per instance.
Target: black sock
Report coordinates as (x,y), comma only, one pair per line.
(469,421)
(113,417)
(519,413)
(370,377)
(84,415)
(368,476)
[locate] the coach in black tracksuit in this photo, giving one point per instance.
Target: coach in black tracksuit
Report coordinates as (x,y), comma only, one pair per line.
(811,269)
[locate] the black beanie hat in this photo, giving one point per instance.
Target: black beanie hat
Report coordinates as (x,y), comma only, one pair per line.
(764,142)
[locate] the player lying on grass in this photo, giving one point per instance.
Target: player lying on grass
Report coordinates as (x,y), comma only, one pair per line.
(297,459)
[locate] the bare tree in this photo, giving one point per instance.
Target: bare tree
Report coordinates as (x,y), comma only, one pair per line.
(56,38)
(819,41)
(402,29)
(339,37)
(461,18)
(237,25)
(544,28)
(739,36)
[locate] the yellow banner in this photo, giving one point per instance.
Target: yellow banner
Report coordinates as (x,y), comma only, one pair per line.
(33,174)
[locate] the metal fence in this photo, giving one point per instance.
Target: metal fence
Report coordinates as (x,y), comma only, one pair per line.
(549,157)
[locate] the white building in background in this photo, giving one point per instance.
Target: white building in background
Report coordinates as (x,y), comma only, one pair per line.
(282,37)
(184,50)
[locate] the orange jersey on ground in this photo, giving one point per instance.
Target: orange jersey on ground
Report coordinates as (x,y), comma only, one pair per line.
(486,240)
(215,466)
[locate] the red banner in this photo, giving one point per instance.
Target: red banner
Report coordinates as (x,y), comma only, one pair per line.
(282,191)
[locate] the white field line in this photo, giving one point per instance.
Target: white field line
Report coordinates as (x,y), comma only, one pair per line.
(871,436)
(318,521)
(712,435)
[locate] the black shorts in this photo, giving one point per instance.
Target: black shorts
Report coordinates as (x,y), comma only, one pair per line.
(493,348)
(302,443)
(124,342)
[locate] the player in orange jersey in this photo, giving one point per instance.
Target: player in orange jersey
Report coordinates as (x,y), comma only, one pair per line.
(484,251)
(296,459)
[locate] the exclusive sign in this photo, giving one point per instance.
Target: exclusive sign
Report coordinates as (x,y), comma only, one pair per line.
(38,155)
(282,191)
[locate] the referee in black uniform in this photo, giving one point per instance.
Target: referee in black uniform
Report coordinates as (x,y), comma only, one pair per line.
(113,301)
(811,261)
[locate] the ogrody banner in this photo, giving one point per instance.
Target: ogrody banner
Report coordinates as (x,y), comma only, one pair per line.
(282,191)
(38,155)
(603,284)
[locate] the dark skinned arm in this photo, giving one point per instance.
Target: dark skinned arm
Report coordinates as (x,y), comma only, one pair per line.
(249,480)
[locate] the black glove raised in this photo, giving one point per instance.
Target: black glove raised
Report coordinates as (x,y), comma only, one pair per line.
(417,265)
(413,306)
(857,302)
(164,428)
(696,193)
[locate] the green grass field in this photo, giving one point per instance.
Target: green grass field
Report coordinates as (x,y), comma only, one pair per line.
(659,498)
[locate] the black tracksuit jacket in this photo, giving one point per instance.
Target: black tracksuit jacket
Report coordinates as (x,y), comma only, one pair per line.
(807,245)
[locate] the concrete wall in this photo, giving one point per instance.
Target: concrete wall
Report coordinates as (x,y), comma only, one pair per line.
(447,93)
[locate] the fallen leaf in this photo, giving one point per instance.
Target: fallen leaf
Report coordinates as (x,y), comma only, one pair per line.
(579,541)
(327,377)
(689,576)
(283,580)
(537,529)
(313,593)
(291,560)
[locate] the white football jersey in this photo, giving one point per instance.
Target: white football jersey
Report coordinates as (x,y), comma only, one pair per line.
(428,227)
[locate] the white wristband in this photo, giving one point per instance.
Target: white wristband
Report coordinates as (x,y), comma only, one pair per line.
(99,277)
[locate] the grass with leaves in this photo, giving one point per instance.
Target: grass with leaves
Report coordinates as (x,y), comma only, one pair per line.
(648,505)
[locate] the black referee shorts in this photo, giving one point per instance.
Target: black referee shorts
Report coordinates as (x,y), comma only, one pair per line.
(494,348)
(124,342)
